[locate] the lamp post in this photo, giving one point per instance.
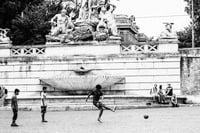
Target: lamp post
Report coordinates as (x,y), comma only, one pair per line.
(193,45)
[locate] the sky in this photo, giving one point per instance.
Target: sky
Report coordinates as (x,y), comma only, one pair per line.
(144,9)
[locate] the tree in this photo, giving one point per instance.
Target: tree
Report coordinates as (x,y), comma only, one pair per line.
(33,26)
(185,36)
(9,9)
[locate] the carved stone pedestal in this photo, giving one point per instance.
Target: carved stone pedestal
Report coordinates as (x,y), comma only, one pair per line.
(168,45)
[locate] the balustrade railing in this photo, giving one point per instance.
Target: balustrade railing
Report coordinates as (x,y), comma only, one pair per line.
(139,48)
(27,51)
(124,49)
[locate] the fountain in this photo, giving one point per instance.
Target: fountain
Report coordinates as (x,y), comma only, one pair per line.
(82,80)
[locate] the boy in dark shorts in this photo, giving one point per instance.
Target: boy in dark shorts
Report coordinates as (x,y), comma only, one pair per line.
(43,103)
(14,106)
(97,94)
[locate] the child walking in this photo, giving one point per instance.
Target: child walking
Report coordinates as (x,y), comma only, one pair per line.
(14,106)
(43,104)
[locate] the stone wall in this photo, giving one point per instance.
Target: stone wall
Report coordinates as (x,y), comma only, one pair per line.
(190,71)
(140,72)
(142,65)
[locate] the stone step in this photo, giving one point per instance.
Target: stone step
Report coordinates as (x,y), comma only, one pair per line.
(78,102)
(108,99)
(86,107)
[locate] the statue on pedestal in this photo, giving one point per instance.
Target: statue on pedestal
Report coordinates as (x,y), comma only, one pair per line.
(167,34)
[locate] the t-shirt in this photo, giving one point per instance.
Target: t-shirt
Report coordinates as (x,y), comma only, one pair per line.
(169,91)
(43,99)
(96,95)
(14,104)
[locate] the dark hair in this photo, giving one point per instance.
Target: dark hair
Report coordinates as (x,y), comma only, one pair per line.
(98,87)
(44,88)
(6,91)
(160,87)
(16,90)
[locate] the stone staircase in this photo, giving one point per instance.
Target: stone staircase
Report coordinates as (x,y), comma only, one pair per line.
(76,103)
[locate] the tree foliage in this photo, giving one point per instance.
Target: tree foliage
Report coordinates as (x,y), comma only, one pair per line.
(9,9)
(185,36)
(33,26)
(27,19)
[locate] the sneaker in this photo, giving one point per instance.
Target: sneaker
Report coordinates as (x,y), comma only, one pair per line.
(14,125)
(114,108)
(44,121)
(99,120)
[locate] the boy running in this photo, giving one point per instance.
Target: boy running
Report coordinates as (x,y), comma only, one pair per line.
(43,104)
(14,106)
(97,93)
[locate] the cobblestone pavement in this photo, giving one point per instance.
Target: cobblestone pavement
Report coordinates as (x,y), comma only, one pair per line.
(161,120)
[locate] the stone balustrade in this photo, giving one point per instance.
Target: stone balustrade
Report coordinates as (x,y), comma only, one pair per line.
(110,47)
(139,48)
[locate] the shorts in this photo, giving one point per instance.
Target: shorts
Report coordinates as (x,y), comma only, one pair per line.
(98,104)
(43,109)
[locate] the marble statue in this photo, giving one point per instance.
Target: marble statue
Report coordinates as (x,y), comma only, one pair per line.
(59,23)
(101,33)
(3,36)
(168,31)
(87,9)
(111,21)
(83,10)
(95,22)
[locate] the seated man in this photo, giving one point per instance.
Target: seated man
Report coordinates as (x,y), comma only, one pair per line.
(174,101)
(154,93)
(169,90)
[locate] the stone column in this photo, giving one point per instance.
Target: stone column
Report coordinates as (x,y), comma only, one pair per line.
(5,49)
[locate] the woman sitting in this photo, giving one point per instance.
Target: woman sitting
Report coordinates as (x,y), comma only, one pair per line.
(161,95)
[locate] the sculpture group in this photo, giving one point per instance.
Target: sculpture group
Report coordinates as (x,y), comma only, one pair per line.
(95,21)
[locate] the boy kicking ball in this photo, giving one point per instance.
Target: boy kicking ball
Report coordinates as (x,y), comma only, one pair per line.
(97,94)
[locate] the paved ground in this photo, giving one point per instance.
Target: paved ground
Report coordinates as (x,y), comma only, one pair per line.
(162,120)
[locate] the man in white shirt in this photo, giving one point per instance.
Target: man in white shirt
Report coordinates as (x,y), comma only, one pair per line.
(43,103)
